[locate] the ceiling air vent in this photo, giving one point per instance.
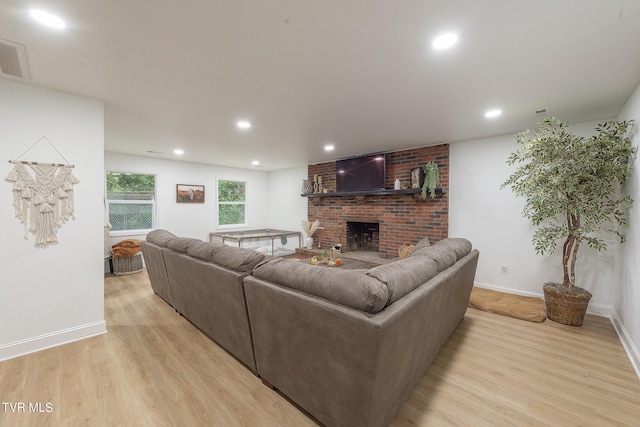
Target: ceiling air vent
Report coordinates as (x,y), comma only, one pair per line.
(13,60)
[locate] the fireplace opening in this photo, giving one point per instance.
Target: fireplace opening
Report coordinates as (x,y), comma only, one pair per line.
(363,236)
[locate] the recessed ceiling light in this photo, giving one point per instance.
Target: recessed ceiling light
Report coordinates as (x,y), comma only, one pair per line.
(178,151)
(255,163)
(444,41)
(48,19)
(329,147)
(492,113)
(243,124)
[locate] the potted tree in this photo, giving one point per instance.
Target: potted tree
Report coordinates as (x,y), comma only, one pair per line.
(571,186)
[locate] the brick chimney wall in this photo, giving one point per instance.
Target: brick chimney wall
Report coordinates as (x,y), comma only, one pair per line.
(402,217)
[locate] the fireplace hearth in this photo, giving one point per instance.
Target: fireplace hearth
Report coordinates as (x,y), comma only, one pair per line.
(363,236)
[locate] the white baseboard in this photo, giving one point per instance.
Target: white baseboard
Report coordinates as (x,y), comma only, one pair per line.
(53,339)
(627,343)
(505,290)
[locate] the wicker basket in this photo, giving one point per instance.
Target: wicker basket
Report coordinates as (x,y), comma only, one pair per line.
(405,250)
(566,309)
(122,266)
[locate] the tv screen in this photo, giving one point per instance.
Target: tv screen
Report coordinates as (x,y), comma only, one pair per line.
(360,173)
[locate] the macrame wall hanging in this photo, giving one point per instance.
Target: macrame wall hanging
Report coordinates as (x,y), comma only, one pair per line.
(42,196)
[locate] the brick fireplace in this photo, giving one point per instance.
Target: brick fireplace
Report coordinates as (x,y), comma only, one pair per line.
(362,236)
(399,216)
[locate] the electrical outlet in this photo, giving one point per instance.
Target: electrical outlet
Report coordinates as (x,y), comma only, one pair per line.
(504,269)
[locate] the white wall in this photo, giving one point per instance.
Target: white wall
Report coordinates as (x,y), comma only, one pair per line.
(287,208)
(273,198)
(51,295)
(492,220)
(627,302)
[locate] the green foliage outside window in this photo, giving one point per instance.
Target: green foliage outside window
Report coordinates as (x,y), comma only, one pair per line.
(131,201)
(231,202)
(119,182)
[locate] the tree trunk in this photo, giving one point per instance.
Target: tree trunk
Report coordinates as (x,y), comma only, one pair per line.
(570,250)
(574,256)
(566,251)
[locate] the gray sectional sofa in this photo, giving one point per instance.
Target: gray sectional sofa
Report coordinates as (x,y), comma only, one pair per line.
(204,283)
(347,346)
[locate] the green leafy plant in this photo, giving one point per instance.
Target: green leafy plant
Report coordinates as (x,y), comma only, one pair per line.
(571,186)
(431,180)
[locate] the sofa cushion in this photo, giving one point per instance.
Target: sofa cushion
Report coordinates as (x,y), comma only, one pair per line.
(346,287)
(444,256)
(235,258)
(180,244)
(459,245)
(405,275)
(203,250)
(424,243)
(160,237)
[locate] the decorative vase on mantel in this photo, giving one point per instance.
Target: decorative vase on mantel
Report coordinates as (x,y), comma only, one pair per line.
(309,242)
(307,188)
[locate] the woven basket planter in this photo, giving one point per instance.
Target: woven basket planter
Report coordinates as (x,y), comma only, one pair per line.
(405,250)
(123,266)
(564,308)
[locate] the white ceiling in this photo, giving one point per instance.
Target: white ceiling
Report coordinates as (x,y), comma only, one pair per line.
(356,73)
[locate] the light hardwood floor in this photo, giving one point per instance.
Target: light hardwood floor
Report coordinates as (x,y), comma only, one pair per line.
(154,368)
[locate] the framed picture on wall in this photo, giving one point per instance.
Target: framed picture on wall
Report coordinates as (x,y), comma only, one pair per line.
(186,193)
(417,177)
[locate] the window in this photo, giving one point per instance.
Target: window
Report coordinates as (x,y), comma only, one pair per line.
(231,203)
(131,201)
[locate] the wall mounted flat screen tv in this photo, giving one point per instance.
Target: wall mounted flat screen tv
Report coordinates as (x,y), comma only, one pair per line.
(360,173)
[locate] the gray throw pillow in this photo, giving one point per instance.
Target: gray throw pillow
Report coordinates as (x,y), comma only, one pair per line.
(424,243)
